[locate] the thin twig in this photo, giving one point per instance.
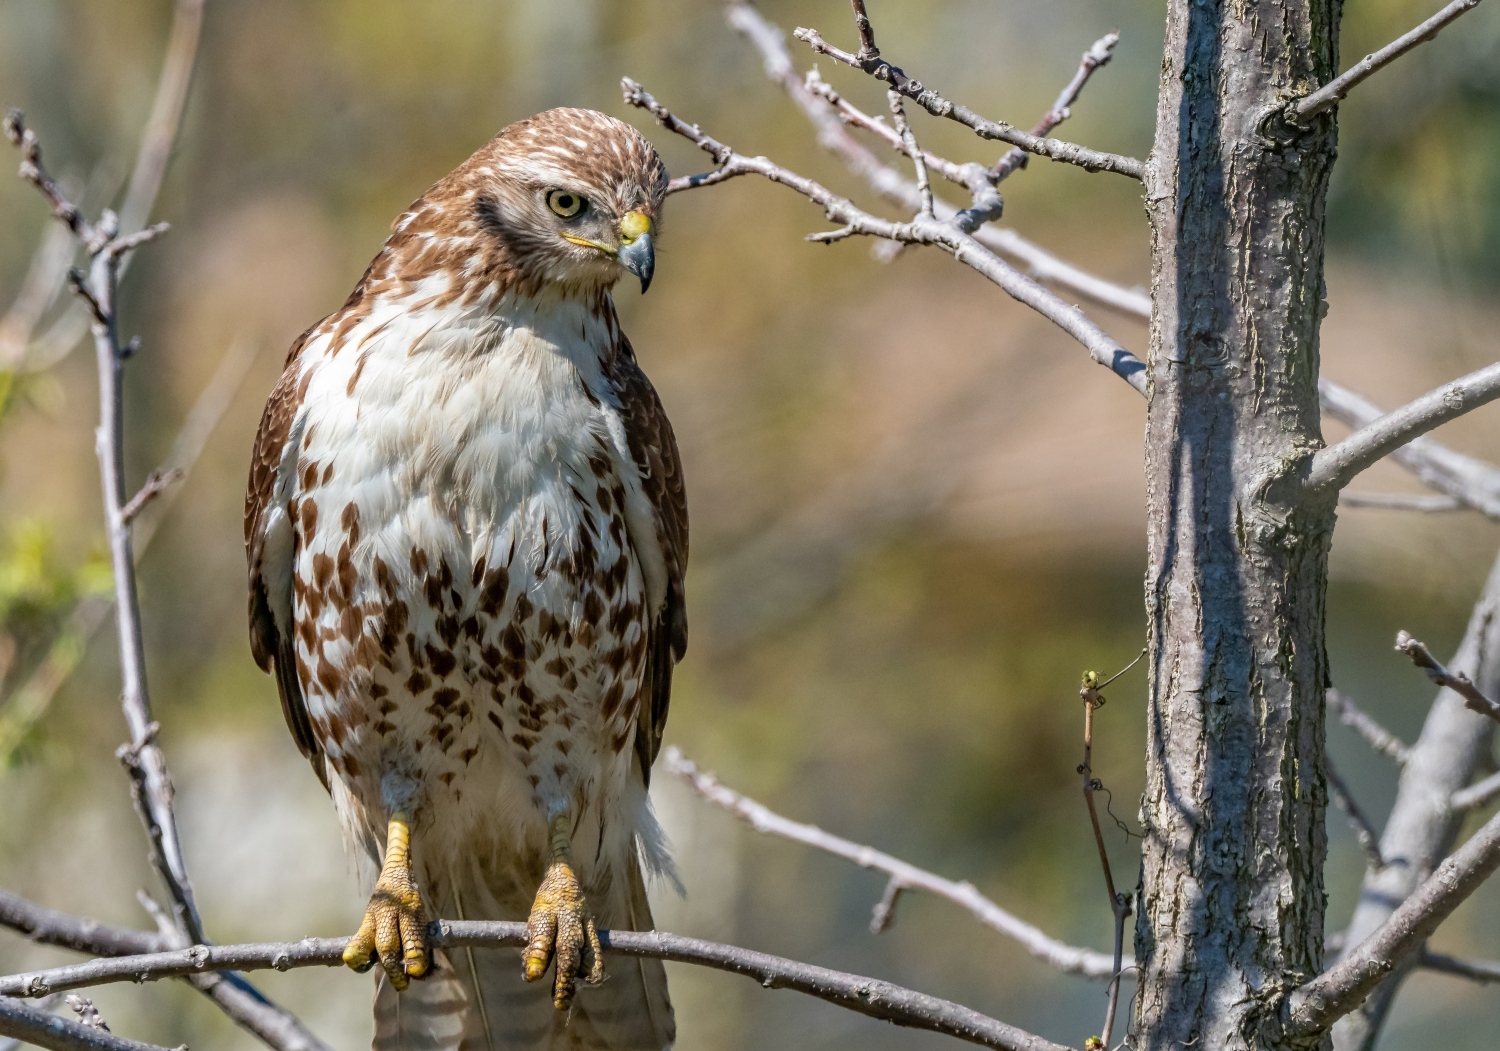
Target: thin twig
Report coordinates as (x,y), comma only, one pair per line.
(1375,735)
(1319,1003)
(1401,502)
(152,159)
(157,482)
(945,235)
(884,913)
(1369,841)
(986,203)
(1460,683)
(1067,958)
(1119,904)
(1335,466)
(909,142)
(867,996)
(1335,90)
(1480,793)
(886,181)
(32,1026)
(30,702)
(932,102)
(151,784)
(1096,57)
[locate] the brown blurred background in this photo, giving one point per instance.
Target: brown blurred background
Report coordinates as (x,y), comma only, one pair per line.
(917,508)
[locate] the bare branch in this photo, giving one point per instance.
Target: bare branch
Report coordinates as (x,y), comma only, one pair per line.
(1464,478)
(151,163)
(1101,346)
(230,993)
(60,1034)
(1096,57)
(867,996)
(884,913)
(1484,971)
(1333,92)
(1335,466)
(1481,793)
(1334,993)
(1369,842)
(34,172)
(866,31)
(122,246)
(1119,904)
(1067,958)
(157,482)
(1401,502)
(1375,735)
(166,115)
(1423,824)
(769,40)
(932,102)
(30,702)
(1460,683)
(909,144)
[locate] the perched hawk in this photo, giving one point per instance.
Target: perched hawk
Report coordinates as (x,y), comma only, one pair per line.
(467,532)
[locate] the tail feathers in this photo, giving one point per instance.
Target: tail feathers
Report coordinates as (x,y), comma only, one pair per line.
(477,999)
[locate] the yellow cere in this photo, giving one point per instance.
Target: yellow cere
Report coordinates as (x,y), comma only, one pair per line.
(633,224)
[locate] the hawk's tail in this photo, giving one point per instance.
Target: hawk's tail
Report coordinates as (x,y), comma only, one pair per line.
(477,1000)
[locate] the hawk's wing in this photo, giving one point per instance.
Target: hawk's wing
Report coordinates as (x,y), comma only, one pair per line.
(270,547)
(653,447)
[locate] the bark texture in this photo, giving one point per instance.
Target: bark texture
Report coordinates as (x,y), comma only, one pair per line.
(1232,898)
(1423,825)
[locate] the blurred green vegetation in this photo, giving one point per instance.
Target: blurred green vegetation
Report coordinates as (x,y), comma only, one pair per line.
(927,704)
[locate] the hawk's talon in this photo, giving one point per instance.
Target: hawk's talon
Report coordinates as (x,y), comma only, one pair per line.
(561,925)
(394,929)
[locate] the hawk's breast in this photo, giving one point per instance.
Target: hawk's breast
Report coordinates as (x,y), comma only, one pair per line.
(469,610)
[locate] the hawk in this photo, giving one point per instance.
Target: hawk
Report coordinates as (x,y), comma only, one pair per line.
(467,531)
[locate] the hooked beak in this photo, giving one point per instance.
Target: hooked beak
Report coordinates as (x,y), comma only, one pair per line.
(636,253)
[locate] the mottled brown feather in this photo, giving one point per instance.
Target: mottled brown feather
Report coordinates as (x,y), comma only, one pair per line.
(272,648)
(653,446)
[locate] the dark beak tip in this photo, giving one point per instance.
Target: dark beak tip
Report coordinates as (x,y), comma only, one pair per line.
(639,258)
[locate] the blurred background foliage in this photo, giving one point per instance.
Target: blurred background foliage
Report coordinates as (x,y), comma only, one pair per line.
(910,683)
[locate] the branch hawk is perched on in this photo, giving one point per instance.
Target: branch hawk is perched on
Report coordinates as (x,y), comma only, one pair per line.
(467,531)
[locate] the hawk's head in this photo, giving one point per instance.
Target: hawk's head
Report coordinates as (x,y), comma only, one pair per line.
(572,196)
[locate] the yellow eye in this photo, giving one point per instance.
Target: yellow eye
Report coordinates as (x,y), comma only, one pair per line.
(565,203)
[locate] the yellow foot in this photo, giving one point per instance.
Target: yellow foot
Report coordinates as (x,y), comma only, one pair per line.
(560,924)
(395,925)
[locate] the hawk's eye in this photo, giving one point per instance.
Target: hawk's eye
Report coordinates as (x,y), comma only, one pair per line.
(566,203)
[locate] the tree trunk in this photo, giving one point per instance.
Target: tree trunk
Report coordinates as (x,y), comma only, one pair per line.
(1231,898)
(1423,825)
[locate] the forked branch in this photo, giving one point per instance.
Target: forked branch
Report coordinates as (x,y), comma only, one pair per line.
(870,61)
(1334,993)
(921,230)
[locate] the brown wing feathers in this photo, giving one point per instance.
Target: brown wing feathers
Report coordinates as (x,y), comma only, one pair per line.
(653,446)
(271,646)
